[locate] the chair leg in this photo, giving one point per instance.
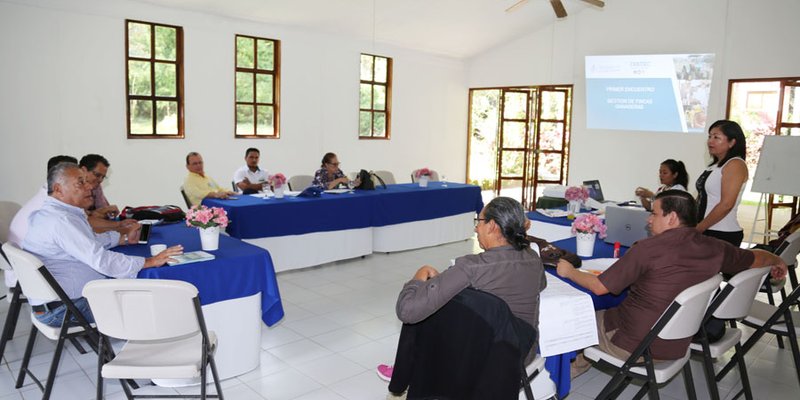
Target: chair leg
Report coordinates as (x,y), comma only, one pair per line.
(771,300)
(748,391)
(708,368)
(11,320)
(100,361)
(26,358)
(609,389)
(688,381)
(214,374)
(790,328)
(51,376)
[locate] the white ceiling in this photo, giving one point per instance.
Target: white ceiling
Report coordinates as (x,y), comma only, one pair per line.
(456,28)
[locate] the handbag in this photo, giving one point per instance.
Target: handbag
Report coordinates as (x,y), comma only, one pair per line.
(164,213)
(366,180)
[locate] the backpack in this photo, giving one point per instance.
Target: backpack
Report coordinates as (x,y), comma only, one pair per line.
(164,213)
(366,180)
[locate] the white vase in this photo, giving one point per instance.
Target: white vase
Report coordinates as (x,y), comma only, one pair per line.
(423,181)
(278,192)
(584,244)
(209,238)
(574,207)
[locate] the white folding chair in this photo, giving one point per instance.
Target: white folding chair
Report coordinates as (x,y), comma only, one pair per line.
(15,299)
(7,211)
(680,320)
(163,323)
(387,176)
(434,177)
(38,283)
(533,372)
(731,304)
(300,182)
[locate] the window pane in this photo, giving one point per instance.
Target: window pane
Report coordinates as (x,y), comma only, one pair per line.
(551,135)
(141,117)
(553,104)
(380,97)
(244,87)
(167,117)
(244,52)
(379,130)
(138,40)
(265,121)
(166,41)
(549,166)
(165,80)
(790,131)
(791,104)
(266,55)
(139,78)
(515,105)
(381,69)
(366,67)
(244,120)
(513,163)
(263,88)
(366,96)
(513,134)
(365,124)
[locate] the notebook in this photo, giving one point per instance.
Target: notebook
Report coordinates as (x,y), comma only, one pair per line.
(191,257)
(626,224)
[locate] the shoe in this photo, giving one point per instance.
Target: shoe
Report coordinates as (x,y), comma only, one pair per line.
(385,372)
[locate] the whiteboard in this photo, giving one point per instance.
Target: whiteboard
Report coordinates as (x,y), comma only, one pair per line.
(778,170)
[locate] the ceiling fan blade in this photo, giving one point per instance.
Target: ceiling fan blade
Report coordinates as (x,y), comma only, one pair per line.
(558,7)
(516,6)
(597,3)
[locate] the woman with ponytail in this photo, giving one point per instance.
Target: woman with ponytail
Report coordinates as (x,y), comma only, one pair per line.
(673,176)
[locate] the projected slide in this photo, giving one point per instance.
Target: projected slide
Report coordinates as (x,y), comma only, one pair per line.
(661,92)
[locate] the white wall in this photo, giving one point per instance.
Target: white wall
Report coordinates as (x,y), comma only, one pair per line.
(751,39)
(62,74)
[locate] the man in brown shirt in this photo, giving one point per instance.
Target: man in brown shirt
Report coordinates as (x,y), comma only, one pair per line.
(657,269)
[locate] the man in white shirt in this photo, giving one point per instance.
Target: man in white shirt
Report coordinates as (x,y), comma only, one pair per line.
(250,178)
(60,235)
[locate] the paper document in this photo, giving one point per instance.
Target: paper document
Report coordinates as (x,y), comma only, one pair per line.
(191,257)
(597,265)
(262,195)
(338,191)
(552,212)
(291,193)
(566,319)
(549,232)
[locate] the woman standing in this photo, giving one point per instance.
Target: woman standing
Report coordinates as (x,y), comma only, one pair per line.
(721,185)
(672,175)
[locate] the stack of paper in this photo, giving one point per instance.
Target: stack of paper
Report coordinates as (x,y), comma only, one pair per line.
(566,319)
(191,257)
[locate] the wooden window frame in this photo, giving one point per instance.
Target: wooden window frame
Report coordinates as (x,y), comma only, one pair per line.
(153,97)
(388,102)
(276,76)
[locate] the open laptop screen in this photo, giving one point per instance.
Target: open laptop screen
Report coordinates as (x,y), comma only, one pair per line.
(595,191)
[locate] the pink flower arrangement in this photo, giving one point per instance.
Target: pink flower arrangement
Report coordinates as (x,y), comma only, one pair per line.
(576,193)
(205,217)
(422,172)
(589,223)
(277,180)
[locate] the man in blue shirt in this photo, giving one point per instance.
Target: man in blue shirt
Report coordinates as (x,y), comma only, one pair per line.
(60,235)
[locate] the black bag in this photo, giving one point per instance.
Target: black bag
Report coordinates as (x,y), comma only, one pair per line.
(164,213)
(366,180)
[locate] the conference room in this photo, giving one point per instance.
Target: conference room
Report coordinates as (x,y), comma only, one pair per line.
(498,97)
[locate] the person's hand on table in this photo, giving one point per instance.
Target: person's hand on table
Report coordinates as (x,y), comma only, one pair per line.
(425,272)
(132,236)
(163,257)
(564,268)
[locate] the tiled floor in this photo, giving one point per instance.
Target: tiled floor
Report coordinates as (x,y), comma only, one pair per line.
(339,325)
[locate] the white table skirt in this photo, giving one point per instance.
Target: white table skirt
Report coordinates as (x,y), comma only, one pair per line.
(426,233)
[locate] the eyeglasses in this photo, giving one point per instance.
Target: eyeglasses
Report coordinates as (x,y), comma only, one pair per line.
(479,219)
(335,164)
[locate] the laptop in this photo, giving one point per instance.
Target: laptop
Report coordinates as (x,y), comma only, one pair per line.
(626,224)
(596,193)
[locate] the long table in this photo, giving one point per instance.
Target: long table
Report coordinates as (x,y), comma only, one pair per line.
(238,290)
(301,232)
(558,365)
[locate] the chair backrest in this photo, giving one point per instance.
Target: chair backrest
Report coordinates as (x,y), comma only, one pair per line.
(234,187)
(739,299)
(789,249)
(7,211)
(186,198)
(143,309)
(300,182)
(388,177)
(434,177)
(693,302)
(26,268)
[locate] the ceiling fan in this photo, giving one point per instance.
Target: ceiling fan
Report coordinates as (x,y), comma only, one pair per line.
(558,7)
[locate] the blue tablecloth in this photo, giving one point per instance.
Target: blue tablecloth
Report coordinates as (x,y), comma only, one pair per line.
(239,269)
(558,366)
(253,217)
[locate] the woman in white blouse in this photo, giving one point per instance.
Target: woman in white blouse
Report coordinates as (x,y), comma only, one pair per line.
(673,176)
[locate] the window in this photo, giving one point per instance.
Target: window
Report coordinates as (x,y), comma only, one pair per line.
(154,68)
(375,109)
(257,87)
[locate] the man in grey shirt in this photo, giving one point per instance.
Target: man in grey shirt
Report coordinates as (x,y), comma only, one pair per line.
(60,235)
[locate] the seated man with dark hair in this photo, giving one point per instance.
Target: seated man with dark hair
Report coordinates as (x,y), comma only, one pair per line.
(96,168)
(250,178)
(656,270)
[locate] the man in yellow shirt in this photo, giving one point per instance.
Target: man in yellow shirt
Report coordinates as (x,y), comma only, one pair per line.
(199,186)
